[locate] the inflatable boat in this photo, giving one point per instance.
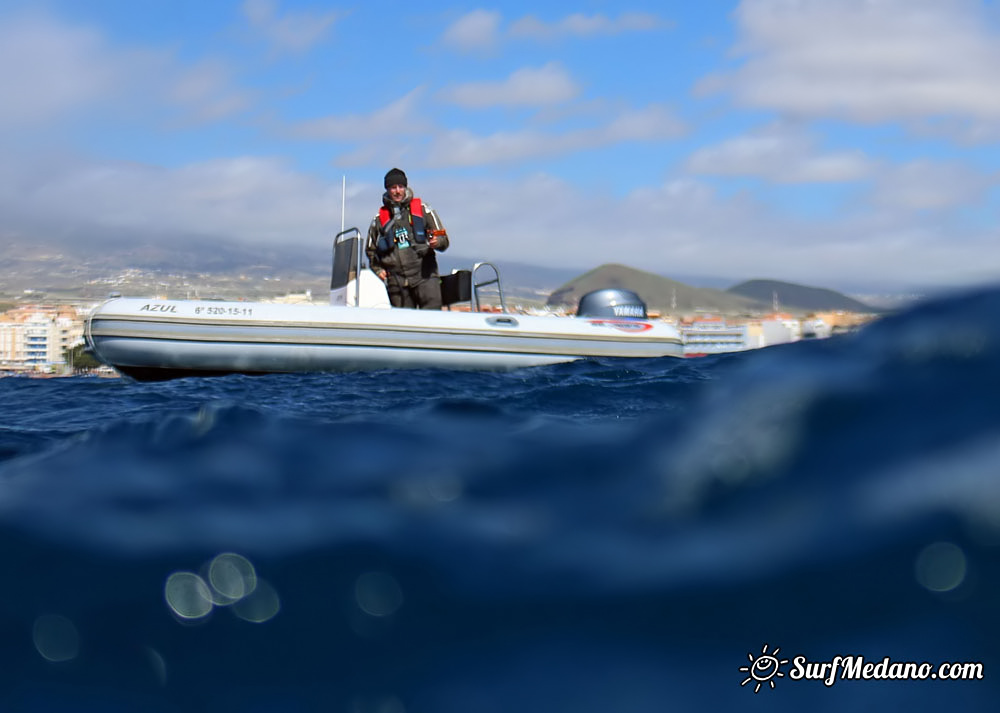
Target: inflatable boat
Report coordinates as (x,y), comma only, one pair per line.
(156,339)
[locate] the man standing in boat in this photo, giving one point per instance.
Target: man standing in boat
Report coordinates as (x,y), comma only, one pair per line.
(402,243)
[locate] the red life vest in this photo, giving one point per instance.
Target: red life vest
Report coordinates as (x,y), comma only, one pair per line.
(417,227)
(416,209)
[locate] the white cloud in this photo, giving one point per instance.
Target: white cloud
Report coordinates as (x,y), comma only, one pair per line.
(294,32)
(652,123)
(395,133)
(460,147)
(50,70)
(931,186)
(206,92)
(528,86)
(478,30)
(740,237)
(864,60)
(781,155)
(400,117)
(482,30)
(52,73)
(248,198)
(580,25)
(785,155)
(684,227)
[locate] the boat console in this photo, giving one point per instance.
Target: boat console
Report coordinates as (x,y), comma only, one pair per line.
(355,285)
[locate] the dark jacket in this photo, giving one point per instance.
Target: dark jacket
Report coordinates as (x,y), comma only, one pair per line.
(395,246)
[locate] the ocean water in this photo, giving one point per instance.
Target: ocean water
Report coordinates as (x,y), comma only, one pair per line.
(606,535)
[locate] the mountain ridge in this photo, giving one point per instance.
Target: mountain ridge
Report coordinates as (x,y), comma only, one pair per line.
(799,297)
(671,296)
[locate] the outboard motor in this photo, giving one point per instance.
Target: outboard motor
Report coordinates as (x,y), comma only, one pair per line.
(612,303)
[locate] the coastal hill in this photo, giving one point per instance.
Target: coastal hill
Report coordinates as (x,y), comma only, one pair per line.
(791,296)
(659,293)
(670,296)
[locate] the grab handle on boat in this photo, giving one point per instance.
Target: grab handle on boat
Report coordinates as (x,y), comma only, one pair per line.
(495,281)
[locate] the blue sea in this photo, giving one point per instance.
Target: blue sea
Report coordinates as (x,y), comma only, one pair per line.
(605,536)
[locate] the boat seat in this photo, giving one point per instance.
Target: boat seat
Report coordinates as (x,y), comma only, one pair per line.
(456,287)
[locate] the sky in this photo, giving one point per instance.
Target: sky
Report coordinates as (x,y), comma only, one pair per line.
(852,144)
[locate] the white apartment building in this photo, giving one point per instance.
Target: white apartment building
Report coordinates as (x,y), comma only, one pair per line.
(35,338)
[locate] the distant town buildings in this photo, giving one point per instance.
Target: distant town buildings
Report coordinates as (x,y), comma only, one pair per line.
(713,334)
(35,338)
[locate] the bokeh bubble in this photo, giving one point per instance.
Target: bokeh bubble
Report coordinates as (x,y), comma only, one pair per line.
(378,594)
(231,578)
(187,595)
(941,567)
(259,606)
(56,638)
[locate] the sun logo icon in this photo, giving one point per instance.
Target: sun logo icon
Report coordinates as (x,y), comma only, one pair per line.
(763,669)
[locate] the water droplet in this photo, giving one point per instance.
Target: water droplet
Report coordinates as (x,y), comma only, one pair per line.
(941,567)
(187,595)
(232,577)
(378,594)
(56,638)
(261,605)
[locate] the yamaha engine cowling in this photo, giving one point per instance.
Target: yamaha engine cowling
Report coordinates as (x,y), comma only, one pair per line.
(613,303)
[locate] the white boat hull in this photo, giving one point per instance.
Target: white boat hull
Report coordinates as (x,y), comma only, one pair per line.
(159,339)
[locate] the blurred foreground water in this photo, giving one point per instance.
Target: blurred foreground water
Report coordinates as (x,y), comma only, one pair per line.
(611,535)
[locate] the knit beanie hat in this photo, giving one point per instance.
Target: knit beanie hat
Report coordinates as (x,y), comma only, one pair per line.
(395,177)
